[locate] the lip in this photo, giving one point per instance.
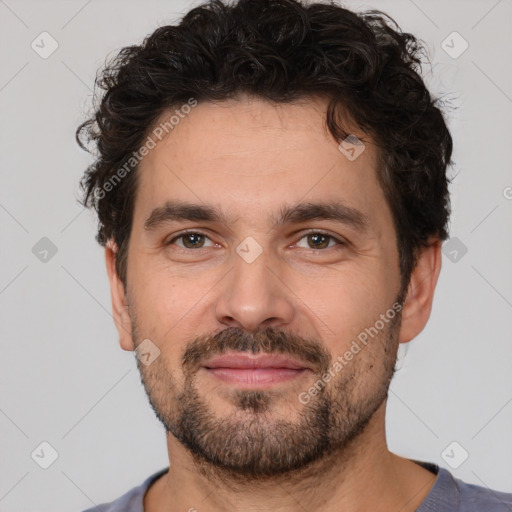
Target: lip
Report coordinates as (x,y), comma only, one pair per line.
(254,370)
(251,361)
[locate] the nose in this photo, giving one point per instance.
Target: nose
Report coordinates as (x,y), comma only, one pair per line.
(254,296)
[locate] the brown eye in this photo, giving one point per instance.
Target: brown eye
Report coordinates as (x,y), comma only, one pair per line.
(320,241)
(193,240)
(190,240)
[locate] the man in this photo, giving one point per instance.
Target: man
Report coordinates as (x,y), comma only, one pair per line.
(272,197)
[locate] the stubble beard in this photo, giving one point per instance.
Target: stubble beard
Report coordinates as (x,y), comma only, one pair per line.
(255,442)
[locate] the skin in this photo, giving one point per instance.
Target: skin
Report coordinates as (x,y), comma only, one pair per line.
(250,158)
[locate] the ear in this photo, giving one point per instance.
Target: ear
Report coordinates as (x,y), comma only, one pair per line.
(420,293)
(119,304)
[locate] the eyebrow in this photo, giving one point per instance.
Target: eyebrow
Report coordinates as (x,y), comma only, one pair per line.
(301,212)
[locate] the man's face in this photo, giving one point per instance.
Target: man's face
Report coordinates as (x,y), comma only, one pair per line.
(255,282)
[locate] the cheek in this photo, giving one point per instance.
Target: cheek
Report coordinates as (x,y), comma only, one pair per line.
(161,309)
(162,298)
(344,303)
(363,369)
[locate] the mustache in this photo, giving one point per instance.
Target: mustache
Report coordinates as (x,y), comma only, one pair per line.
(269,340)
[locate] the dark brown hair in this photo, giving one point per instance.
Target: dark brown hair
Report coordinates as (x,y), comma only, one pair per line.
(279,50)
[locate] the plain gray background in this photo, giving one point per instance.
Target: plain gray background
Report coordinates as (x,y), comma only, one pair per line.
(63,377)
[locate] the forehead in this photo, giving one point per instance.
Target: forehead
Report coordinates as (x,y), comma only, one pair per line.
(249,157)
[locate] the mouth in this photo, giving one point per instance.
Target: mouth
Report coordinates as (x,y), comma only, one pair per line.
(252,371)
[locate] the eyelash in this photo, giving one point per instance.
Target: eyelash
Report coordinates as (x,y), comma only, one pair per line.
(340,243)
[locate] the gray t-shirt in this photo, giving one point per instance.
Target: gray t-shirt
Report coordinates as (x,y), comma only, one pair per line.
(448,494)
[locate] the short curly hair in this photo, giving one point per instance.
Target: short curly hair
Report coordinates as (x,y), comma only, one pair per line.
(279,50)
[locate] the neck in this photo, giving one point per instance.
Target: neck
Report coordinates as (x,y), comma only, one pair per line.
(362,476)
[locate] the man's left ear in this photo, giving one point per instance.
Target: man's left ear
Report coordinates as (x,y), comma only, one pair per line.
(420,293)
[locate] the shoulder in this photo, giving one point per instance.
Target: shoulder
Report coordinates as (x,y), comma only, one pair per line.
(131,501)
(452,494)
(475,497)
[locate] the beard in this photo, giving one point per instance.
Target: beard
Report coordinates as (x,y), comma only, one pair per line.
(255,441)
